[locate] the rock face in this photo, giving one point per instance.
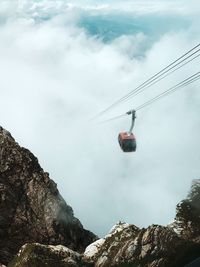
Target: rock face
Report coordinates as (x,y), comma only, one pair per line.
(31,208)
(187,221)
(156,246)
(37,255)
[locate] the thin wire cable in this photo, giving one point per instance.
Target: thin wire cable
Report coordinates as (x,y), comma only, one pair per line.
(167,93)
(138,92)
(152,80)
(114,118)
(149,84)
(161,78)
(172,89)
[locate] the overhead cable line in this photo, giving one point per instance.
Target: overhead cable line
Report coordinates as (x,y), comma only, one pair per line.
(114,118)
(172,67)
(161,77)
(172,89)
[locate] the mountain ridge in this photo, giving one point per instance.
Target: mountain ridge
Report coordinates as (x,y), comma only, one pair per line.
(31,207)
(38,228)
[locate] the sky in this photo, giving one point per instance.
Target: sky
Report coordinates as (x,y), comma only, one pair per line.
(62,62)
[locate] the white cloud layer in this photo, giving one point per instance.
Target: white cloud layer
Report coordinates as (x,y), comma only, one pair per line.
(55,76)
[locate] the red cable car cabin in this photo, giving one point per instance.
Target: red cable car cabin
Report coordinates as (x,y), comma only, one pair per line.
(127,142)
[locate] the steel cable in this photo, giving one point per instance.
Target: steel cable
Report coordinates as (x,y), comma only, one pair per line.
(155,78)
(170,90)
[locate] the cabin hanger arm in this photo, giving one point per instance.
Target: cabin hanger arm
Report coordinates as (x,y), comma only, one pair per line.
(133,119)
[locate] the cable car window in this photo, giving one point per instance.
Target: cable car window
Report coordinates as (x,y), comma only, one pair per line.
(129,145)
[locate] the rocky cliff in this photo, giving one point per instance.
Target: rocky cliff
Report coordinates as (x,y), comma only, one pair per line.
(37,255)
(174,245)
(31,208)
(187,220)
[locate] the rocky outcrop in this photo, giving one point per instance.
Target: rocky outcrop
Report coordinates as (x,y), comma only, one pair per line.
(174,245)
(37,255)
(31,208)
(187,220)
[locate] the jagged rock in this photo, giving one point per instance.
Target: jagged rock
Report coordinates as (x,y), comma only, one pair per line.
(37,255)
(156,246)
(102,249)
(31,208)
(187,220)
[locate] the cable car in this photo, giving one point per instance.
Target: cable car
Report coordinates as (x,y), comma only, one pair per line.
(127,140)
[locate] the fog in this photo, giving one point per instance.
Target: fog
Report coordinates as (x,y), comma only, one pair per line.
(63,62)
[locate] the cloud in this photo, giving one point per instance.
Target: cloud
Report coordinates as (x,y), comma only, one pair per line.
(56,74)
